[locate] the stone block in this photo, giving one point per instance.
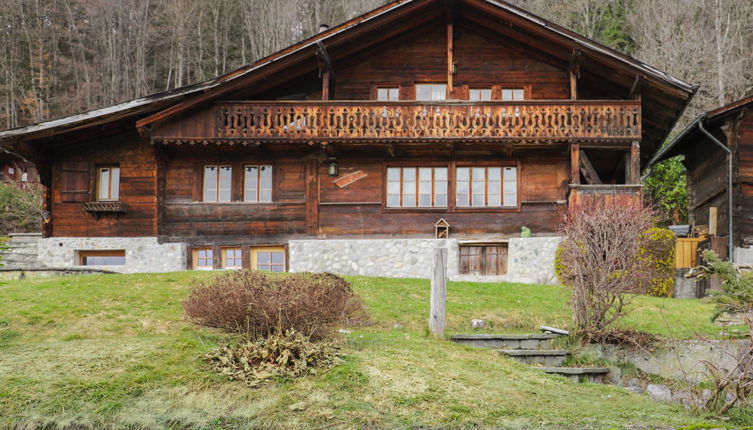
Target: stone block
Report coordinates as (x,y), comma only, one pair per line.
(659,393)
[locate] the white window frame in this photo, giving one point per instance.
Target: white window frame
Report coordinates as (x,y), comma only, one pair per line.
(109,178)
(253,192)
(217,197)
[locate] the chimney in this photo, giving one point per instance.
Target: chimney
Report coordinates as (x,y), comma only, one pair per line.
(323,27)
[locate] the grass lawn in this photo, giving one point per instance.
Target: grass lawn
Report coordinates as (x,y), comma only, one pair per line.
(113,351)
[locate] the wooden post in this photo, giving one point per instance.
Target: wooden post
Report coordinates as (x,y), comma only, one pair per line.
(635,163)
(712,221)
(450,53)
(574,163)
(438,291)
(325,85)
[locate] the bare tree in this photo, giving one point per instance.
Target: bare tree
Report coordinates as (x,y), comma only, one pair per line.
(599,260)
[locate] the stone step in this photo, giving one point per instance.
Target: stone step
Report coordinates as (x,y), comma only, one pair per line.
(578,374)
(506,341)
(549,358)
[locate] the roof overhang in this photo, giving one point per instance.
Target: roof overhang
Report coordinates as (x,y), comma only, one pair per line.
(692,134)
(148,110)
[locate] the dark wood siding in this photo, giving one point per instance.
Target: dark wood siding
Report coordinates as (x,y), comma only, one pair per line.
(72,185)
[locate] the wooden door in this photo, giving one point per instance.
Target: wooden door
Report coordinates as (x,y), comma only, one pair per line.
(483,260)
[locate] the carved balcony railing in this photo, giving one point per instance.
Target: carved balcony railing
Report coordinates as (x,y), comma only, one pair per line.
(551,120)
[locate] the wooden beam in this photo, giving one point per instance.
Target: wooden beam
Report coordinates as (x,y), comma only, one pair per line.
(635,89)
(325,85)
(588,170)
(635,163)
(574,69)
(312,196)
(574,163)
(450,50)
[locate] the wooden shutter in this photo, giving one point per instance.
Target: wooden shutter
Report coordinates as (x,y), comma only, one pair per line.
(487,260)
(75,182)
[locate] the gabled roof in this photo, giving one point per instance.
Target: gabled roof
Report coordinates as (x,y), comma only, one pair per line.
(692,134)
(674,92)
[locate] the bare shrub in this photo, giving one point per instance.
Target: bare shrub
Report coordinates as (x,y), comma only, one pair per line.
(259,304)
(600,260)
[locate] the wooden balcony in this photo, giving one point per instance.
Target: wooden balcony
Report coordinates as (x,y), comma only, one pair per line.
(605,195)
(535,121)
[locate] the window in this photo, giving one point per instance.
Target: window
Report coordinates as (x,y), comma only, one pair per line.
(203,258)
(268,258)
(479,94)
(24,175)
(513,94)
(217,183)
(409,187)
(11,171)
(388,94)
(108,183)
(232,258)
(257,183)
(429,92)
(486,187)
(102,258)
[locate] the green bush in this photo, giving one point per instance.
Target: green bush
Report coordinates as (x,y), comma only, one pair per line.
(20,209)
(657,253)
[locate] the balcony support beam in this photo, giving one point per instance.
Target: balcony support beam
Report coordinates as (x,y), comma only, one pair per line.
(635,163)
(574,164)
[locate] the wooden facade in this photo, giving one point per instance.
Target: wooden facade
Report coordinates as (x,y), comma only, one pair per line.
(707,167)
(543,115)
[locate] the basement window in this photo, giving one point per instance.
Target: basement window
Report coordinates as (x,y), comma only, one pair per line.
(483,259)
(203,258)
(114,257)
(232,258)
(271,258)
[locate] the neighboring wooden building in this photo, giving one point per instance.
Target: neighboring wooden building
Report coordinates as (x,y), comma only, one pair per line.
(708,177)
(471,111)
(16,171)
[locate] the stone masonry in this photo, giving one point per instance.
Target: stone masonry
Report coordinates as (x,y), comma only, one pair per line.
(143,254)
(530,260)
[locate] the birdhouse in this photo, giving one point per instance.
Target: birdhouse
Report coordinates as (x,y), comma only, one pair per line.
(442,229)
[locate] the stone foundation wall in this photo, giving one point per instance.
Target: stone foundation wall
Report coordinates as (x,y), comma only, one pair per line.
(391,258)
(530,260)
(143,254)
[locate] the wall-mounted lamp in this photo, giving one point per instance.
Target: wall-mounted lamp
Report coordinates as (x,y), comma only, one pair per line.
(333,169)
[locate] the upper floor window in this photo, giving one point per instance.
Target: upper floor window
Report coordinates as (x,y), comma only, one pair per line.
(417,187)
(257,183)
(388,94)
(217,183)
(108,183)
(479,94)
(486,187)
(513,94)
(431,92)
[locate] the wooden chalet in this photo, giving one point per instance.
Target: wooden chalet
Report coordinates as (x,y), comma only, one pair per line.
(16,171)
(357,141)
(707,145)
